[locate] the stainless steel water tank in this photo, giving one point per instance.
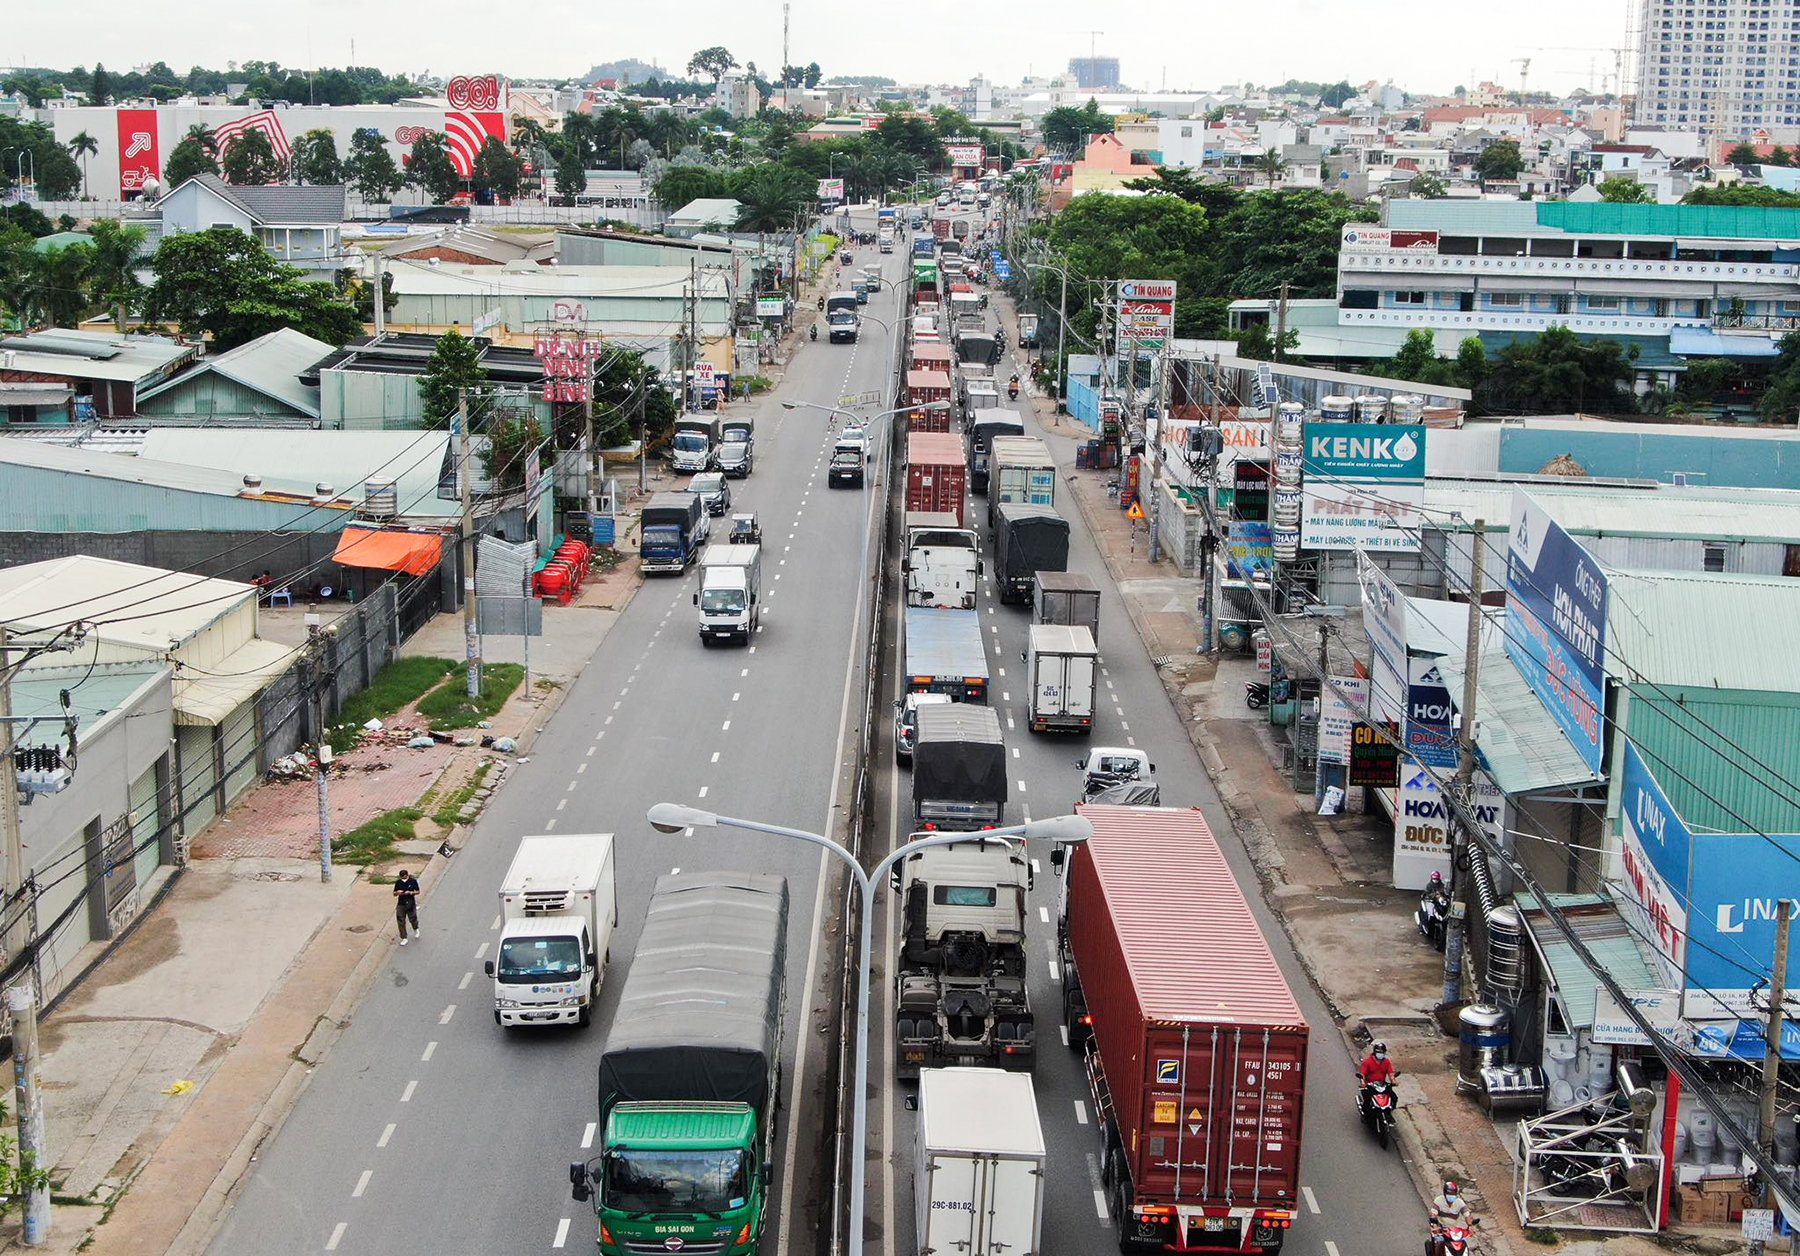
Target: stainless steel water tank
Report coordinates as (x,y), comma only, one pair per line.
(1483,1039)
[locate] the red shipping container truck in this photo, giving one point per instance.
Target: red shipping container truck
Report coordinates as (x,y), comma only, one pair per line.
(923,387)
(930,356)
(1193,1044)
(937,473)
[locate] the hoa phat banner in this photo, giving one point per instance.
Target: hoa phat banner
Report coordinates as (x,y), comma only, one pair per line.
(1422,825)
(1556,597)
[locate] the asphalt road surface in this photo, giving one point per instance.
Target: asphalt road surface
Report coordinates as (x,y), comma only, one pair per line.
(428,1129)
(1357,1198)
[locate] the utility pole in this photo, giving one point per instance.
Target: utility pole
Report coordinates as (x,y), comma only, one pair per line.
(643,429)
(380,297)
(1153,443)
(315,643)
(588,442)
(464,473)
(1465,769)
(1765,1130)
(21,999)
(1281,320)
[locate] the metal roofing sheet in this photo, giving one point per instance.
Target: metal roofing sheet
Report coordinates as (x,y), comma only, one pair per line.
(305,459)
(63,351)
(282,204)
(1607,937)
(207,696)
(1689,628)
(165,608)
(1187,934)
(1524,748)
(270,365)
(1664,510)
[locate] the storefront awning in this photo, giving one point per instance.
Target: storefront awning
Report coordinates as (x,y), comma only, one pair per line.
(413,553)
(1703,342)
(1524,748)
(1596,921)
(207,697)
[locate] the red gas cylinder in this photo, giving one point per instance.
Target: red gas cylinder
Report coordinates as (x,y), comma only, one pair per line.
(576,551)
(571,577)
(552,581)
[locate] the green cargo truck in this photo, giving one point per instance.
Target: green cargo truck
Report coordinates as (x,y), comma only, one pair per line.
(689,1080)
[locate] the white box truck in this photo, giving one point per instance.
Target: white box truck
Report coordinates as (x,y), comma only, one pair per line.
(730,596)
(978,1163)
(1061,663)
(558,907)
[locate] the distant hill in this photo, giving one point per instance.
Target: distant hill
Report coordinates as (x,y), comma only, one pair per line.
(629,69)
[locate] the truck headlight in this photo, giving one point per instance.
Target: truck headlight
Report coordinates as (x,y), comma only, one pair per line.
(574,1000)
(506,1003)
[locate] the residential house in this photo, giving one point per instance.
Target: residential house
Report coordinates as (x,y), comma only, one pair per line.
(107,372)
(258,380)
(299,225)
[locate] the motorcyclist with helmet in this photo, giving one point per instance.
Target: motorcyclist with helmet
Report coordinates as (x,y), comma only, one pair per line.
(1449,1209)
(1375,1067)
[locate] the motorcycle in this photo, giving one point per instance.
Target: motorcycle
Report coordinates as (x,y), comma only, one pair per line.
(821,303)
(1449,1240)
(1256,694)
(1376,1103)
(815,331)
(1012,389)
(1433,912)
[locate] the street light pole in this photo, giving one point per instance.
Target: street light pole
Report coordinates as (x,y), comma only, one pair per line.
(668,817)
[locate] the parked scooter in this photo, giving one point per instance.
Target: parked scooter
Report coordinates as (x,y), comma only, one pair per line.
(1376,1104)
(1256,694)
(1434,910)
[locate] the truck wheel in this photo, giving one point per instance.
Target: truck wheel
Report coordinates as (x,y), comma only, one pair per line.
(585,1017)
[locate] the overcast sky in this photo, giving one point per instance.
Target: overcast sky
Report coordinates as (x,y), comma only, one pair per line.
(1422,46)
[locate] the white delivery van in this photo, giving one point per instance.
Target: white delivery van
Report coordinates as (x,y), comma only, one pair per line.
(978,1163)
(1062,665)
(730,596)
(558,907)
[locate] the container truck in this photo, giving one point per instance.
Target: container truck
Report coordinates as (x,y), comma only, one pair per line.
(942,562)
(1193,1046)
(927,386)
(670,531)
(983,426)
(936,473)
(738,427)
(1066,597)
(1062,669)
(959,767)
(978,1164)
(730,596)
(922,246)
(1027,539)
(558,907)
(1021,470)
(944,653)
(695,441)
(689,1080)
(931,355)
(960,995)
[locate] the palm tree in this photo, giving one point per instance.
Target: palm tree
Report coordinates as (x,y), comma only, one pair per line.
(113,271)
(57,284)
(83,146)
(203,135)
(1271,165)
(767,199)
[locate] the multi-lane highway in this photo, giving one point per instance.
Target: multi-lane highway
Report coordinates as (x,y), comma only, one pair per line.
(428,1129)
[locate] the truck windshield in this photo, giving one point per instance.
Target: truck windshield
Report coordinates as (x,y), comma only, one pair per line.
(690,441)
(662,537)
(533,959)
(676,1181)
(722,601)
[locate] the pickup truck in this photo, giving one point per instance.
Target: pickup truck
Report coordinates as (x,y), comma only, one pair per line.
(846,468)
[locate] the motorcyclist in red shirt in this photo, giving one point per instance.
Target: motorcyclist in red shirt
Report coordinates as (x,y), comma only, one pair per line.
(1375,1067)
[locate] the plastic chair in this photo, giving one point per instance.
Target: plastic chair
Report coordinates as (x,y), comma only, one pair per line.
(281,597)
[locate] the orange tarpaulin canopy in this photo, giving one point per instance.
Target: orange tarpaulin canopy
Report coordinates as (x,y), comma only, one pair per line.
(414,553)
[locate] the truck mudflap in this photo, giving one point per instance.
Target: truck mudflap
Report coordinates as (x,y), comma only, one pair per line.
(1206,1228)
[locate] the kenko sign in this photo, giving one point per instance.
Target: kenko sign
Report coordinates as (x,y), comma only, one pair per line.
(475,91)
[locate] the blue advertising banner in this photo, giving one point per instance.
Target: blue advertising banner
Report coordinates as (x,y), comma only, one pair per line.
(1743,1040)
(1249,549)
(1556,599)
(1429,738)
(1706,901)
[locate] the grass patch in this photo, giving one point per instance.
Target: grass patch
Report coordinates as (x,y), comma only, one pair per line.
(394,686)
(1542,1236)
(448,706)
(449,810)
(373,841)
(756,383)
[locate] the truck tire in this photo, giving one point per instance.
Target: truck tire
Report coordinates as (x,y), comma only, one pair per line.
(585,1017)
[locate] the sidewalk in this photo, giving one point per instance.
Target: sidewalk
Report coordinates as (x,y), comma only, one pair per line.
(1326,879)
(166,1071)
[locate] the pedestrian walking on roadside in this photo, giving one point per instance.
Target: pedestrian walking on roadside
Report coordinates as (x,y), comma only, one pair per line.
(406,903)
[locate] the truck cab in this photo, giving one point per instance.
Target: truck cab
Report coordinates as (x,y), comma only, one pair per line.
(690,1177)
(694,443)
(558,907)
(730,593)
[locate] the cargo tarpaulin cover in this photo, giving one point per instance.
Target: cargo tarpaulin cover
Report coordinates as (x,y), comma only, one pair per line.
(959,754)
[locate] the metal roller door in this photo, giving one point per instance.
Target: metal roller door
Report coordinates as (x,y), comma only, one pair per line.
(199,776)
(237,743)
(144,840)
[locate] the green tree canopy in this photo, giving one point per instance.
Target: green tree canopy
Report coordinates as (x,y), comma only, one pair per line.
(1333,97)
(314,159)
(677,185)
(1066,129)
(430,168)
(250,161)
(628,391)
(1741,155)
(454,366)
(1743,194)
(711,63)
(100,86)
(1622,191)
(222,284)
(113,273)
(370,168)
(571,172)
(187,159)
(497,171)
(1499,161)
(1558,372)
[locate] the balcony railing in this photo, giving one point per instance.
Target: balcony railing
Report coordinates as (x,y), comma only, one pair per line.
(1757,322)
(1403,263)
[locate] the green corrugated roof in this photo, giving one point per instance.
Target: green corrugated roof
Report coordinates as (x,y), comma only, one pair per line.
(1736,222)
(1596,921)
(1720,753)
(60,240)
(1704,629)
(1464,217)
